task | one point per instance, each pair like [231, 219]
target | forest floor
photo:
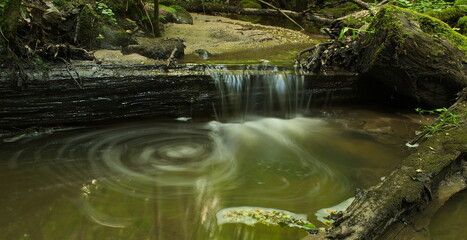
[228, 40]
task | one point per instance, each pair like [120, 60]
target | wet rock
[204, 54]
[161, 49]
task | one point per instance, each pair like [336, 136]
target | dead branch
[281, 11]
[69, 72]
[29, 5]
[362, 4]
[171, 61]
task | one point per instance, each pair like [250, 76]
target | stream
[264, 147]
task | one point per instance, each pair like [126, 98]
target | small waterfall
[260, 90]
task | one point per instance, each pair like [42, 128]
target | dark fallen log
[212, 8]
[412, 54]
[87, 93]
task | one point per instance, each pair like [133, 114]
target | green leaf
[343, 31]
[311, 225]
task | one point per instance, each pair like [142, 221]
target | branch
[362, 4]
[287, 16]
[384, 2]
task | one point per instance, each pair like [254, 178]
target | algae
[249, 4]
[340, 10]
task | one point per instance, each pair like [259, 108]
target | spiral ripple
[138, 159]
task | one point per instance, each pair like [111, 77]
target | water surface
[155, 180]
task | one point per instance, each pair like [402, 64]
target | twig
[3, 35]
[299, 55]
[171, 60]
[149, 18]
[28, 5]
[69, 72]
[279, 10]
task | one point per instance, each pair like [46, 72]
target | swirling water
[167, 180]
[150, 180]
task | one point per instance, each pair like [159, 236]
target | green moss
[438, 28]
[181, 15]
[460, 3]
[462, 25]
[449, 15]
[249, 4]
[353, 22]
[252, 19]
[166, 8]
[340, 10]
[430, 25]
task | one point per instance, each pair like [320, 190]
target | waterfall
[260, 90]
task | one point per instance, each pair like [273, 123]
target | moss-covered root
[408, 189]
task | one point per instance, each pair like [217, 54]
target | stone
[161, 49]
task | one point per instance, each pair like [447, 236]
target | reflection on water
[168, 180]
[449, 221]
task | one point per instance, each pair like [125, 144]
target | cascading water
[259, 90]
[167, 181]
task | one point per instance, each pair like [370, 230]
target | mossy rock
[181, 15]
[128, 24]
[340, 10]
[162, 49]
[166, 14]
[414, 54]
[249, 4]
[175, 14]
[113, 37]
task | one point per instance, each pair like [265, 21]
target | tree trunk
[155, 23]
[10, 13]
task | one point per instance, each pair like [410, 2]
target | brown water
[153, 180]
[449, 221]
